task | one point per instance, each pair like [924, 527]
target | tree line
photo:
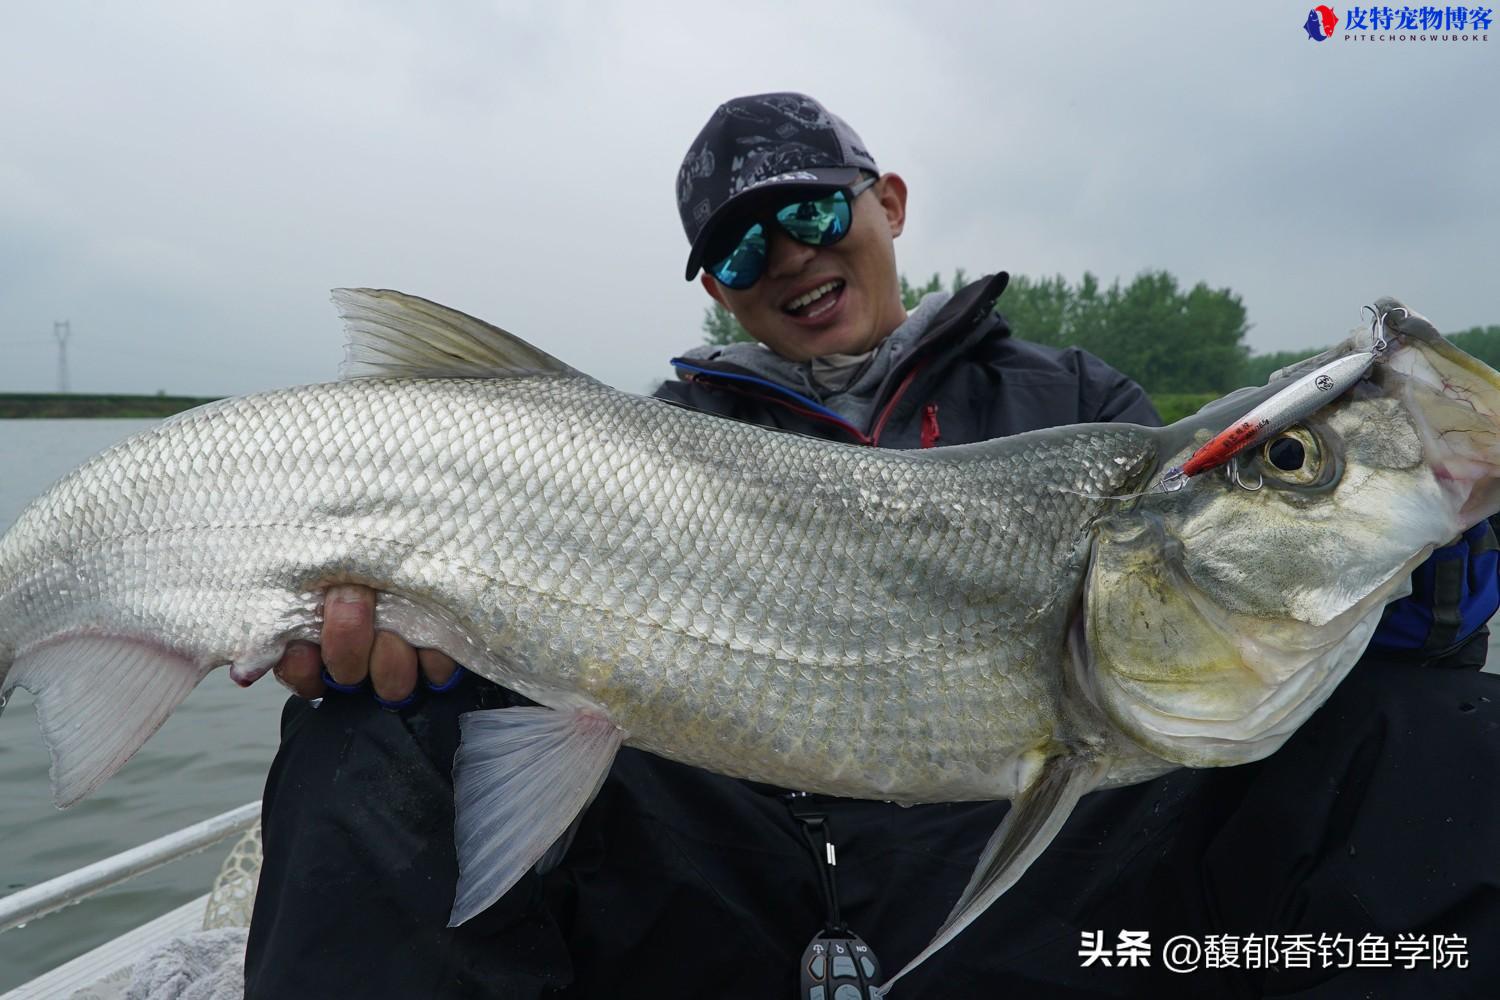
[1173, 341]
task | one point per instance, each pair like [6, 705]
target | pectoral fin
[98, 698]
[1033, 820]
[520, 777]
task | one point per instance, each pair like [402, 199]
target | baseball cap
[755, 146]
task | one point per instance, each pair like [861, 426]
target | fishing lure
[1291, 405]
[1296, 402]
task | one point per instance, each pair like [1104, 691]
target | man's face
[860, 309]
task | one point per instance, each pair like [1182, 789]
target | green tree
[720, 327]
[1168, 340]
[912, 294]
[1483, 342]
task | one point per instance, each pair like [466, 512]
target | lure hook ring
[1232, 469]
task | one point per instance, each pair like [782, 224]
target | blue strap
[449, 684]
[393, 706]
[766, 384]
[1453, 594]
[346, 688]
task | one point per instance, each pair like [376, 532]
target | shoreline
[121, 406]
[62, 406]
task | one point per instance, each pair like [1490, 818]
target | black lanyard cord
[837, 964]
[819, 836]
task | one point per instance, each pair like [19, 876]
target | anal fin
[1033, 820]
[520, 778]
[98, 698]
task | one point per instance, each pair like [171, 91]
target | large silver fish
[976, 622]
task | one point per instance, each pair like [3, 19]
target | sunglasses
[817, 222]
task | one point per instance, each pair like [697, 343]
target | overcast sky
[184, 182]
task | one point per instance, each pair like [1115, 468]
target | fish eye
[1286, 453]
[1293, 456]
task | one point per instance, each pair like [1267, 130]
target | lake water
[211, 755]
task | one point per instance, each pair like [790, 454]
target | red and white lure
[1291, 405]
[1296, 402]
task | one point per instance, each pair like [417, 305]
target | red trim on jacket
[931, 432]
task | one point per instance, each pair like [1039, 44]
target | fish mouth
[1455, 401]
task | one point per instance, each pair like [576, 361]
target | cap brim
[815, 180]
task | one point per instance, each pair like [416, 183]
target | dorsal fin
[394, 335]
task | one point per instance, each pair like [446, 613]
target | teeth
[812, 296]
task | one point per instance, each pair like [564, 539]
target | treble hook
[1377, 326]
[1232, 470]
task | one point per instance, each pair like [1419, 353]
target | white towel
[206, 965]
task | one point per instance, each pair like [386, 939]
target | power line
[61, 331]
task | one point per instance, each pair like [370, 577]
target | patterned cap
[755, 145]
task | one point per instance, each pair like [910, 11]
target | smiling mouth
[816, 301]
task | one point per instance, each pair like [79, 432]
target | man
[682, 883]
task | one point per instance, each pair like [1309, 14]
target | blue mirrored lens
[819, 222]
[746, 262]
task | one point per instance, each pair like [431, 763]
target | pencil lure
[1291, 405]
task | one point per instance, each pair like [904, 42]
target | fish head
[1218, 617]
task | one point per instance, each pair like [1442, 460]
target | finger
[300, 668]
[393, 667]
[437, 666]
[348, 632]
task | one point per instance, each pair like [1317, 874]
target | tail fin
[98, 698]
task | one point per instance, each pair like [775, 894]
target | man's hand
[352, 650]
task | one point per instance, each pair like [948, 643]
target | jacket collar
[969, 307]
[959, 325]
